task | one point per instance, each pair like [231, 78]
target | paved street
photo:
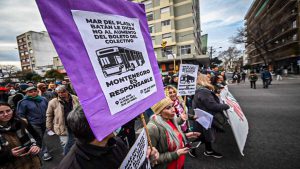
[273, 142]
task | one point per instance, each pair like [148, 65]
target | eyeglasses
[8, 111]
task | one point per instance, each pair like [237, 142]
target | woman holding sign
[167, 136]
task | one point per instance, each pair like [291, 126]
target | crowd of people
[28, 111]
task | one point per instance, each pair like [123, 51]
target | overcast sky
[219, 19]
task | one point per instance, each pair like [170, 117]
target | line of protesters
[171, 127]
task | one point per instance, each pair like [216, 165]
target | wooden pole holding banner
[146, 129]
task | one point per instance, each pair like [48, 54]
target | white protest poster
[204, 118]
[237, 120]
[187, 79]
[118, 54]
[136, 157]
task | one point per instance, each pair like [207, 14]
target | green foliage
[32, 76]
[216, 61]
[54, 74]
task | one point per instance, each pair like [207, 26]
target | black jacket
[87, 156]
[207, 100]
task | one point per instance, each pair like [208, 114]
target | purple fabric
[66, 38]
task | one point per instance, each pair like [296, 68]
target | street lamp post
[212, 50]
[163, 45]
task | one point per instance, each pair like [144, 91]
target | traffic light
[163, 44]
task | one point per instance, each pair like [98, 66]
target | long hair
[202, 80]
[167, 88]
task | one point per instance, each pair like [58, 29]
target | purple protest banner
[107, 52]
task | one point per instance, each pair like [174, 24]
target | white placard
[137, 155]
[204, 118]
[187, 79]
[117, 51]
[237, 119]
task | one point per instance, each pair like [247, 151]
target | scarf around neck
[35, 99]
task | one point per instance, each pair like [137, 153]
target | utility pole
[164, 45]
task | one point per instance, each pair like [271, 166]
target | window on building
[22, 54]
[25, 46]
[166, 35]
[28, 37]
[165, 10]
[150, 16]
[294, 37]
[165, 23]
[24, 67]
[26, 53]
[185, 49]
[167, 51]
[294, 24]
[23, 60]
[151, 28]
[27, 59]
[153, 40]
[24, 39]
[29, 44]
[20, 40]
[148, 3]
[21, 47]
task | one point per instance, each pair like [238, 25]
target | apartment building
[272, 29]
[178, 23]
[36, 51]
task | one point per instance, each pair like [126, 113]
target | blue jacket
[33, 111]
[266, 75]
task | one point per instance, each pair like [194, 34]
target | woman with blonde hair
[180, 107]
[167, 137]
[205, 99]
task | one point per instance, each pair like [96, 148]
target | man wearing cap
[33, 108]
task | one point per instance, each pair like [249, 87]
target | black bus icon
[187, 79]
[116, 60]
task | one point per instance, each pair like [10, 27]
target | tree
[31, 76]
[230, 57]
[256, 39]
[7, 70]
[54, 74]
[216, 61]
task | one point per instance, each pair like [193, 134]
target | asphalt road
[273, 142]
[273, 115]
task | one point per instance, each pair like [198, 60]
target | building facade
[36, 51]
[272, 32]
[178, 23]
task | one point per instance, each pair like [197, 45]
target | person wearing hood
[33, 108]
[167, 136]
